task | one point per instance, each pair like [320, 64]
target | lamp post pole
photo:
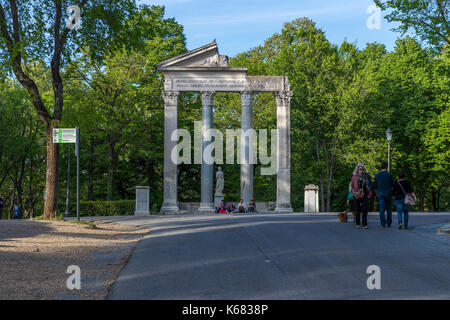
[389, 156]
[389, 138]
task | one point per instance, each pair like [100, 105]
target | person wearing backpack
[404, 198]
[2, 204]
[362, 191]
[383, 188]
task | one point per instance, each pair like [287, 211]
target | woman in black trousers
[362, 191]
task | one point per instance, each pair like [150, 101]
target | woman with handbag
[404, 198]
[362, 191]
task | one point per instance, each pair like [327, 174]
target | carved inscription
[209, 84]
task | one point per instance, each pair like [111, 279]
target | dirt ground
[35, 255]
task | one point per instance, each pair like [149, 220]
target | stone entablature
[222, 82]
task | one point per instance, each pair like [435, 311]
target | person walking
[16, 212]
[401, 188]
[383, 188]
[362, 191]
[2, 204]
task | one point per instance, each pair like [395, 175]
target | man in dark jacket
[383, 187]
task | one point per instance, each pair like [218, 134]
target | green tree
[26, 34]
[428, 18]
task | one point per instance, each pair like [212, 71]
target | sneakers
[358, 226]
[406, 227]
[400, 227]
[365, 227]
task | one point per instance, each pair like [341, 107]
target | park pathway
[290, 256]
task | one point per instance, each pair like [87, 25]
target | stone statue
[219, 181]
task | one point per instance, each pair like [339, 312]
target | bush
[100, 208]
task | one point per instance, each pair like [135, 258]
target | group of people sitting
[231, 208]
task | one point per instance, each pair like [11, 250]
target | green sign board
[64, 135]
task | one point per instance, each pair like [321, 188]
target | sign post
[71, 135]
[77, 154]
[67, 214]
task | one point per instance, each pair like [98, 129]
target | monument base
[206, 208]
[142, 213]
[169, 209]
[284, 210]
[218, 199]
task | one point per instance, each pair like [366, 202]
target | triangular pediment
[205, 56]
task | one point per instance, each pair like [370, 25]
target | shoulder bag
[359, 194]
[409, 199]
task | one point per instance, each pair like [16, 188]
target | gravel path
[35, 255]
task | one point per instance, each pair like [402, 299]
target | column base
[284, 209]
[170, 209]
[206, 208]
[142, 213]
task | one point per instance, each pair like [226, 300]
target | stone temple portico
[204, 70]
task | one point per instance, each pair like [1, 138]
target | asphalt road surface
[292, 256]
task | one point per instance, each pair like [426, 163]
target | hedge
[100, 208]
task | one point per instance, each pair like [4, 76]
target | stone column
[170, 205]
[246, 146]
[207, 178]
[142, 201]
[283, 99]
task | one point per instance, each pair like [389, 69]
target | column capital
[283, 98]
[170, 97]
[207, 98]
[246, 98]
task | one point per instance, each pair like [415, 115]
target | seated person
[223, 207]
[241, 207]
[220, 205]
[232, 208]
[252, 206]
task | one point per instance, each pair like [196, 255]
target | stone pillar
[246, 146]
[283, 99]
[207, 178]
[311, 200]
[142, 201]
[170, 205]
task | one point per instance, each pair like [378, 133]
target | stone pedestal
[217, 199]
[142, 201]
[311, 198]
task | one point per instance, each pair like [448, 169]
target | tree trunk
[151, 179]
[422, 199]
[433, 199]
[113, 159]
[322, 200]
[91, 170]
[51, 184]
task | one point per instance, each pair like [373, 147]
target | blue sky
[238, 25]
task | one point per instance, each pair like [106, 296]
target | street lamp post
[389, 138]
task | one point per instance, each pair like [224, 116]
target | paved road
[292, 256]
